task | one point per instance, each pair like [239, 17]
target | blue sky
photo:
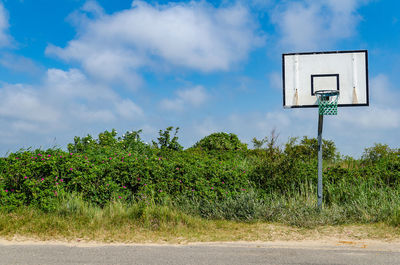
[72, 67]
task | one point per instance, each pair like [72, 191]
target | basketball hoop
[327, 101]
[329, 73]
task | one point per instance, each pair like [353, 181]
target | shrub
[220, 142]
[377, 152]
[307, 149]
[130, 141]
[117, 175]
[165, 142]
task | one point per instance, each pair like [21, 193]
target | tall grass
[154, 216]
[298, 207]
[117, 221]
[198, 220]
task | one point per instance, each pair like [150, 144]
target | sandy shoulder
[325, 243]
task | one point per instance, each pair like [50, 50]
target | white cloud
[192, 35]
[19, 64]
[64, 103]
[94, 8]
[369, 118]
[87, 100]
[310, 25]
[382, 91]
[4, 37]
[23, 126]
[110, 64]
[383, 112]
[91, 114]
[24, 103]
[129, 110]
[201, 128]
[172, 104]
[73, 84]
[192, 97]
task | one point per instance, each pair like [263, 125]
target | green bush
[117, 175]
[129, 142]
[220, 142]
[379, 151]
[165, 142]
[307, 149]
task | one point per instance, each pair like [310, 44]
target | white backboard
[305, 73]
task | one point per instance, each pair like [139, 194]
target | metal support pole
[320, 125]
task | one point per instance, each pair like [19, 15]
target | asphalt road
[227, 253]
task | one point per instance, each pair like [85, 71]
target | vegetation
[220, 142]
[155, 186]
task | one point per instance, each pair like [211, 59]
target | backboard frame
[328, 74]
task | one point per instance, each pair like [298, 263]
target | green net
[327, 108]
[327, 102]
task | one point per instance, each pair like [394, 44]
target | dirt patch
[356, 236]
[368, 237]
